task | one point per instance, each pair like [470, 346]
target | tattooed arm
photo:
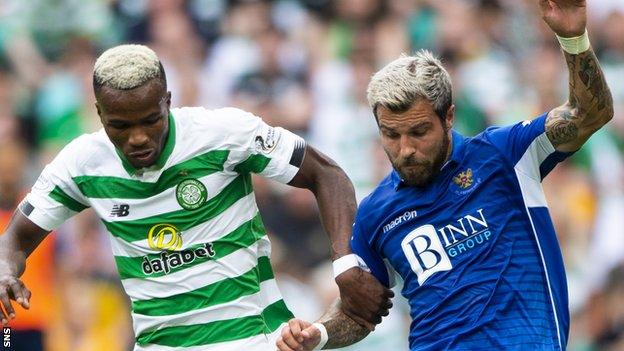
[589, 105]
[341, 331]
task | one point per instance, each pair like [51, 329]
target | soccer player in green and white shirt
[173, 188]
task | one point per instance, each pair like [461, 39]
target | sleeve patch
[267, 139]
[43, 184]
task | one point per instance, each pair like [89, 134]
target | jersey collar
[164, 155]
[457, 154]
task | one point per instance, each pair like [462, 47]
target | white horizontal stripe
[163, 202]
[197, 276]
[235, 157]
[254, 343]
[249, 305]
[274, 335]
[240, 212]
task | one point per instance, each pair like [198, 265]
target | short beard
[426, 171]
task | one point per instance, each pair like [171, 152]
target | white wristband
[324, 336]
[575, 45]
[347, 262]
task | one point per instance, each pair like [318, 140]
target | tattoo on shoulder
[562, 125]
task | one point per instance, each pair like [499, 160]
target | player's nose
[407, 147]
[137, 138]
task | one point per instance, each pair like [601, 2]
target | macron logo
[526, 123]
[407, 216]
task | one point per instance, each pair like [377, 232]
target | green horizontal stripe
[219, 331]
[184, 219]
[121, 188]
[243, 236]
[253, 164]
[210, 295]
[58, 195]
[276, 314]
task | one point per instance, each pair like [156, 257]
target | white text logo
[428, 254]
[407, 216]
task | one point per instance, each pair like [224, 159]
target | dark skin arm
[589, 105]
[18, 241]
[365, 300]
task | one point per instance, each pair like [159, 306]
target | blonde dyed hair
[397, 85]
[126, 67]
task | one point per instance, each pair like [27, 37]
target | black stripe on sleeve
[299, 151]
[26, 208]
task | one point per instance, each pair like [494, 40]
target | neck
[449, 149]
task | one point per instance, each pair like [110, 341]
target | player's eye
[117, 125]
[418, 132]
[153, 120]
[391, 135]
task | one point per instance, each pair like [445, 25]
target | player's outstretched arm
[21, 237]
[342, 331]
[589, 105]
[365, 300]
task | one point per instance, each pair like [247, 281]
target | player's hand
[12, 288]
[363, 298]
[567, 18]
[298, 335]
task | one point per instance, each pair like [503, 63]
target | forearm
[334, 194]
[588, 89]
[336, 199]
[342, 331]
[589, 106]
[18, 241]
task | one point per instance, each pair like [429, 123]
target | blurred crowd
[303, 65]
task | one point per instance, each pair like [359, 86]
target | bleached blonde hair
[126, 67]
[397, 85]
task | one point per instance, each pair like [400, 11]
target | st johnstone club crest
[464, 179]
[191, 194]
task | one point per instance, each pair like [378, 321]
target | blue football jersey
[476, 249]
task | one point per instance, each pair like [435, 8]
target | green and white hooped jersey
[189, 244]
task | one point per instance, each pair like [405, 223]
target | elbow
[609, 113]
[330, 170]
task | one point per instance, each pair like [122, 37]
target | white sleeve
[272, 152]
[54, 197]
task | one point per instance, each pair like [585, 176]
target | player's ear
[99, 112]
[449, 118]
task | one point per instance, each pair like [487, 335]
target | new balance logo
[120, 210]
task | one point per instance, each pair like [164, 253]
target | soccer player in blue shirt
[464, 221]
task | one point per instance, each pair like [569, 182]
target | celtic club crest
[191, 194]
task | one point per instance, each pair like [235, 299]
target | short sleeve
[372, 259]
[527, 146]
[54, 197]
[272, 152]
